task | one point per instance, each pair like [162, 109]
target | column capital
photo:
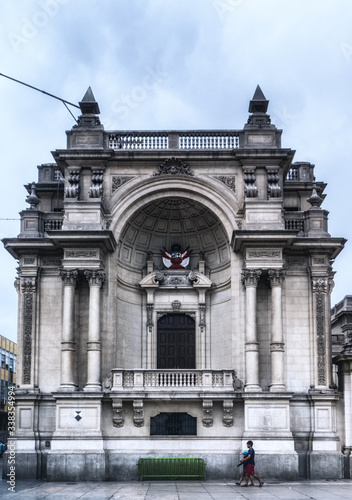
[276, 277]
[320, 284]
[69, 276]
[28, 284]
[250, 277]
[95, 278]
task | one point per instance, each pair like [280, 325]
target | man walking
[250, 472]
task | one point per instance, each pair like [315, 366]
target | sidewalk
[178, 490]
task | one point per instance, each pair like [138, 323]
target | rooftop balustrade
[184, 140]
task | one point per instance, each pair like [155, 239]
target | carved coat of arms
[176, 259]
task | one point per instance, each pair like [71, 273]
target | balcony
[155, 384]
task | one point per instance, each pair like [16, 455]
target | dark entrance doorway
[176, 342]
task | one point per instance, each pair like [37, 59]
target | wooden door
[176, 342]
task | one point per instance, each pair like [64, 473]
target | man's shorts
[250, 470]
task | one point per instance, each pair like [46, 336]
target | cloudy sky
[176, 64]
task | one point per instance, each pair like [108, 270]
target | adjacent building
[174, 300]
[8, 358]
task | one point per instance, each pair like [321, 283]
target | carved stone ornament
[118, 181]
[176, 305]
[69, 277]
[201, 314]
[96, 189]
[95, 277]
[227, 417]
[250, 277]
[207, 419]
[276, 277]
[229, 181]
[138, 413]
[150, 310]
[173, 166]
[250, 189]
[274, 188]
[28, 288]
[176, 279]
[118, 417]
[73, 190]
[320, 288]
[237, 383]
[320, 284]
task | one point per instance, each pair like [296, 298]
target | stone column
[68, 345]
[277, 354]
[96, 280]
[250, 278]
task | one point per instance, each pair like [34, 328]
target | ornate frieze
[96, 189]
[138, 413]
[227, 417]
[207, 419]
[69, 276]
[276, 277]
[81, 254]
[250, 277]
[73, 190]
[173, 166]
[118, 181]
[95, 277]
[250, 189]
[229, 181]
[28, 288]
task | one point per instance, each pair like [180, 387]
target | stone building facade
[174, 300]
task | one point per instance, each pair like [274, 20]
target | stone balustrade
[185, 140]
[174, 380]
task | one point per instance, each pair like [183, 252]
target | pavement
[177, 490]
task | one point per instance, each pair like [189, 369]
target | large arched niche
[173, 219]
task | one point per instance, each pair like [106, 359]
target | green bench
[171, 468]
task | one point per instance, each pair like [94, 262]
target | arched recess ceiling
[166, 221]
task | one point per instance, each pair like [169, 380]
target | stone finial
[259, 103]
[89, 105]
[315, 200]
[33, 199]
